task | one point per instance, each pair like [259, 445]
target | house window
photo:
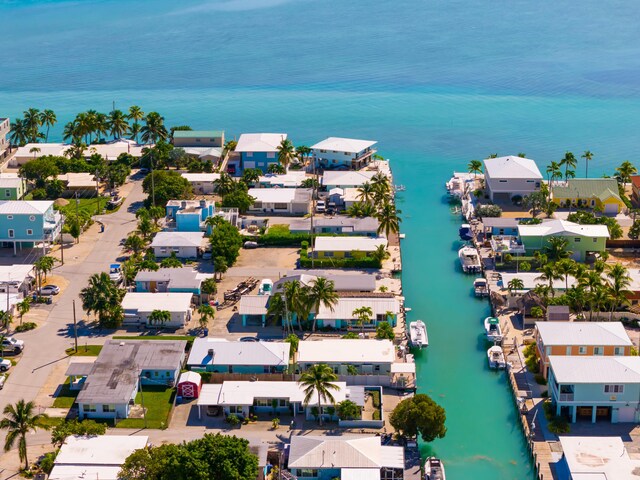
[347, 255]
[307, 473]
[32, 218]
[235, 409]
[29, 231]
[108, 408]
[328, 254]
[614, 389]
[594, 240]
[257, 205]
[7, 193]
[280, 206]
[502, 181]
[548, 350]
[529, 181]
[271, 154]
[582, 350]
[569, 350]
[249, 154]
[284, 402]
[577, 240]
[147, 374]
[593, 203]
[618, 351]
[89, 408]
[156, 373]
[376, 368]
[11, 233]
[598, 350]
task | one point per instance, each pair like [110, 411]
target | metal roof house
[173, 280]
[112, 381]
[224, 356]
[337, 152]
[367, 356]
[198, 138]
[342, 282]
[339, 225]
[599, 193]
[506, 177]
[183, 244]
[138, 307]
[28, 223]
[284, 201]
[201, 183]
[596, 458]
[345, 179]
[346, 246]
[12, 186]
[259, 150]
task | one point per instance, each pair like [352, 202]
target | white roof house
[563, 228]
[10, 180]
[345, 306]
[78, 180]
[253, 304]
[349, 244]
[259, 142]
[583, 333]
[201, 177]
[16, 274]
[346, 351]
[268, 354]
[597, 369]
[178, 239]
[25, 207]
[598, 458]
[290, 179]
[532, 279]
[349, 145]
[281, 195]
[345, 179]
[511, 167]
[110, 150]
[148, 302]
[95, 456]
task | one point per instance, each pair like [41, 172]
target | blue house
[499, 226]
[259, 150]
[28, 223]
[173, 280]
[189, 215]
[222, 356]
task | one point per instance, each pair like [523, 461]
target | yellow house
[347, 246]
[600, 193]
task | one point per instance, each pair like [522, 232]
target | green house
[583, 239]
[12, 187]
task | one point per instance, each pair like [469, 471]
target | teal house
[28, 223]
[12, 187]
[583, 240]
[259, 150]
[222, 356]
[173, 280]
[189, 215]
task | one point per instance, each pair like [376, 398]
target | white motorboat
[470, 259]
[480, 287]
[418, 334]
[493, 329]
[434, 469]
[496, 358]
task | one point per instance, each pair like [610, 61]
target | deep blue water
[438, 83]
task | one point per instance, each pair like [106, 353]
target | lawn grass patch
[85, 351]
[158, 401]
[88, 205]
[50, 422]
[66, 397]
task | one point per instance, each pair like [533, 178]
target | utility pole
[75, 327]
[97, 193]
[313, 210]
[153, 180]
[62, 243]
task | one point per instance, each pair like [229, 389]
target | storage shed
[189, 385]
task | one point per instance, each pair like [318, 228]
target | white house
[291, 179]
[336, 152]
[223, 356]
[139, 305]
[345, 179]
[184, 244]
[596, 458]
[202, 183]
[109, 150]
[506, 177]
[366, 356]
[343, 247]
[287, 201]
[94, 457]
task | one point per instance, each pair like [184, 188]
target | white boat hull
[434, 469]
[418, 334]
[493, 331]
[469, 260]
[495, 355]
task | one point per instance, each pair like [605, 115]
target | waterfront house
[347, 246]
[344, 457]
[345, 179]
[259, 150]
[242, 397]
[291, 179]
[595, 458]
[364, 356]
[172, 280]
[198, 138]
[12, 186]
[28, 223]
[95, 456]
[584, 240]
[110, 150]
[201, 183]
[183, 244]
[506, 177]
[108, 386]
[83, 184]
[342, 282]
[580, 339]
[595, 388]
[284, 201]
[335, 153]
[350, 197]
[339, 225]
[138, 306]
[225, 356]
[17, 279]
[495, 226]
[5, 128]
[635, 190]
[598, 193]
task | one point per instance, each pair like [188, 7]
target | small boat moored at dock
[496, 358]
[465, 232]
[418, 334]
[434, 469]
[480, 287]
[493, 329]
[470, 259]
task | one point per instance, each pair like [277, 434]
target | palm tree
[207, 312]
[277, 307]
[515, 284]
[134, 243]
[389, 220]
[32, 123]
[292, 292]
[569, 161]
[578, 299]
[159, 317]
[619, 281]
[48, 119]
[553, 172]
[145, 227]
[134, 130]
[136, 114]
[323, 293]
[361, 209]
[565, 267]
[225, 184]
[35, 151]
[286, 153]
[23, 308]
[102, 296]
[318, 380]
[43, 266]
[598, 300]
[625, 171]
[557, 248]
[20, 419]
[71, 132]
[381, 187]
[366, 192]
[588, 156]
[475, 167]
[154, 128]
[18, 134]
[101, 125]
[380, 254]
[363, 316]
[548, 273]
[117, 123]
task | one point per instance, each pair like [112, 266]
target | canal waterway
[437, 83]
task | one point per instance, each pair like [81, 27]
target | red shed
[189, 385]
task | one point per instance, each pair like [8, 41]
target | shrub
[530, 221]
[305, 245]
[46, 464]
[282, 239]
[525, 267]
[547, 407]
[233, 420]
[376, 415]
[375, 398]
[537, 312]
[39, 194]
[559, 425]
[489, 211]
[540, 380]
[275, 423]
[350, 336]
[545, 394]
[306, 262]
[25, 327]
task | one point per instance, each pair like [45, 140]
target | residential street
[45, 346]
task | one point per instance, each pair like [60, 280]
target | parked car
[320, 206]
[143, 171]
[13, 345]
[5, 365]
[3, 378]
[49, 290]
[250, 244]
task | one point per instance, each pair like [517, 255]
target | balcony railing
[566, 397]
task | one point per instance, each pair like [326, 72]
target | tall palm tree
[154, 129]
[619, 281]
[23, 308]
[159, 317]
[588, 156]
[323, 293]
[553, 172]
[277, 307]
[286, 153]
[599, 299]
[20, 419]
[117, 124]
[18, 135]
[569, 161]
[366, 192]
[475, 167]
[557, 248]
[548, 273]
[48, 119]
[101, 125]
[136, 114]
[134, 131]
[292, 293]
[381, 187]
[363, 316]
[565, 267]
[102, 296]
[71, 132]
[578, 299]
[317, 381]
[225, 184]
[625, 171]
[389, 221]
[32, 123]
[207, 312]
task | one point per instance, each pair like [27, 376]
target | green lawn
[89, 205]
[158, 402]
[67, 397]
[85, 351]
[50, 422]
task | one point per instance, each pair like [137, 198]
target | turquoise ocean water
[438, 83]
